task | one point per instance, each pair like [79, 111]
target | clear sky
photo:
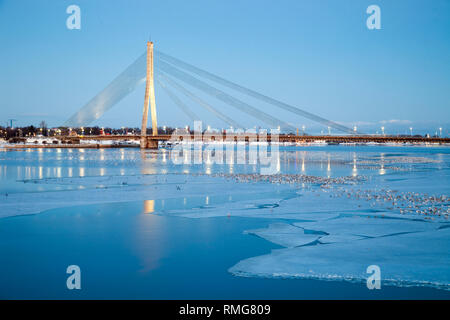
[317, 55]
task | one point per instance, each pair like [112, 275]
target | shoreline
[66, 146]
[118, 146]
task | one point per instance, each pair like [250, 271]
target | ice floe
[285, 235]
[367, 227]
[414, 259]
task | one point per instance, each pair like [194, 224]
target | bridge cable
[252, 93]
[220, 95]
[198, 100]
[190, 114]
[116, 90]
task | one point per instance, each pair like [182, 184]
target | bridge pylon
[149, 99]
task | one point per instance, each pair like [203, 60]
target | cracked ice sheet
[367, 227]
[418, 259]
[323, 201]
[256, 204]
[333, 238]
[100, 190]
[426, 180]
[294, 204]
[285, 235]
[332, 201]
[266, 206]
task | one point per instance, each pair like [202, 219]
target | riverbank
[66, 146]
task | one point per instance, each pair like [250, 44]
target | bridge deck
[291, 138]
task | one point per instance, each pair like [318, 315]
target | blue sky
[317, 55]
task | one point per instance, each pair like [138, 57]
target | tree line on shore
[43, 130]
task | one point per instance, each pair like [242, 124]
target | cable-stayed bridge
[179, 80]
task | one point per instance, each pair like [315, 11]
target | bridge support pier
[149, 143]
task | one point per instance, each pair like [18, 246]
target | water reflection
[149, 206]
[62, 163]
[329, 166]
[148, 162]
[382, 171]
[149, 228]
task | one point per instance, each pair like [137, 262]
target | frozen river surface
[140, 226]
